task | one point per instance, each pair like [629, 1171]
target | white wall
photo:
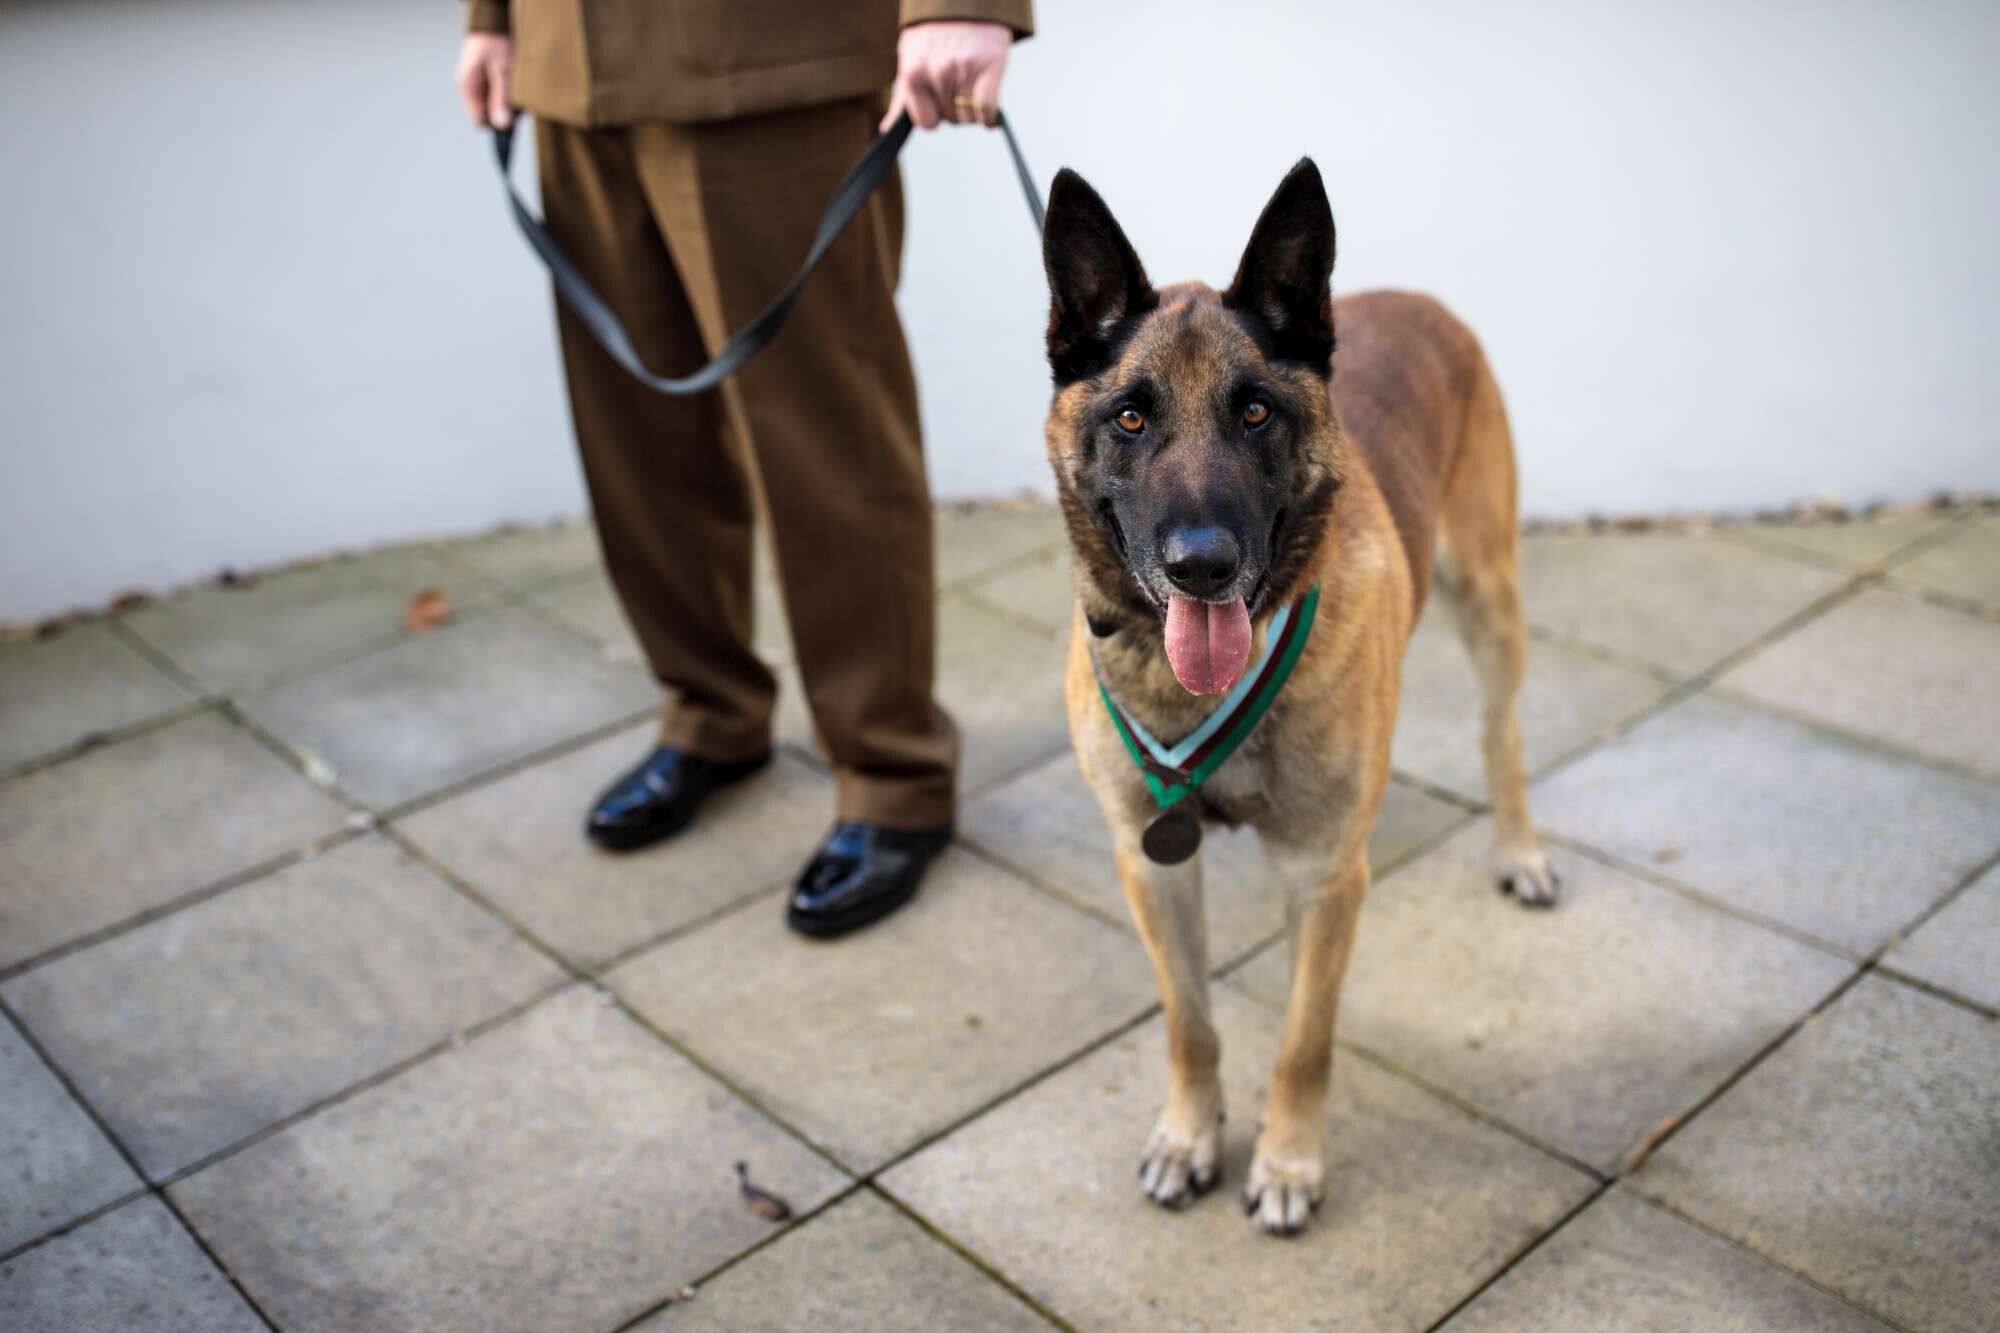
[261, 298]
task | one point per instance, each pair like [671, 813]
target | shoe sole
[631, 840]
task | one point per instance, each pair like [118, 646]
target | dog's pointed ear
[1096, 281]
[1283, 281]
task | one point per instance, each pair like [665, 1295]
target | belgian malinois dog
[1217, 461]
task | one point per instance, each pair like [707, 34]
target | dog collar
[1174, 773]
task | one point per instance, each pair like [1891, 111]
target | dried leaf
[1650, 1142]
[130, 601]
[426, 611]
[760, 1201]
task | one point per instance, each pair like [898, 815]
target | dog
[1215, 460]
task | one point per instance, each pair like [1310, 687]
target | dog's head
[1194, 444]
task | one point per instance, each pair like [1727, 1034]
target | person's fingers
[985, 92]
[924, 105]
[896, 104]
[964, 103]
[471, 82]
[500, 95]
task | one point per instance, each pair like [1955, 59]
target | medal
[1172, 837]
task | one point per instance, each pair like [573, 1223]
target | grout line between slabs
[1860, 740]
[336, 837]
[92, 741]
[1769, 539]
[847, 1191]
[463, 1037]
[1006, 565]
[154, 1188]
[1597, 1192]
[977, 1260]
[1660, 1205]
[1619, 1175]
[1660, 880]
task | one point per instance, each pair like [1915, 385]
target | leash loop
[595, 313]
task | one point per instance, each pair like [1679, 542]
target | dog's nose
[1200, 561]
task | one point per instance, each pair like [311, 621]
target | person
[685, 154]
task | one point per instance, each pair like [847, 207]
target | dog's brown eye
[1256, 413]
[1131, 421]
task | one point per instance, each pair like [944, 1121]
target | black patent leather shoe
[659, 798]
[860, 874]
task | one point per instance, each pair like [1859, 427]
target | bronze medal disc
[1172, 837]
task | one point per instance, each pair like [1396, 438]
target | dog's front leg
[1184, 1153]
[1287, 1174]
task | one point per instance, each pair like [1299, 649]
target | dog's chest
[1245, 790]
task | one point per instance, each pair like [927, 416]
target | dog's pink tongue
[1207, 645]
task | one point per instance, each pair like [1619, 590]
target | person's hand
[485, 78]
[948, 71]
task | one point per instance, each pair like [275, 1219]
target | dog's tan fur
[1415, 431]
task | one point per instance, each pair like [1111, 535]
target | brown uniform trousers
[688, 224]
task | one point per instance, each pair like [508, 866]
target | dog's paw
[1283, 1191]
[1526, 876]
[1180, 1166]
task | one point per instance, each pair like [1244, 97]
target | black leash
[873, 167]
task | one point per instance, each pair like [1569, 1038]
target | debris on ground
[758, 1200]
[1650, 1142]
[428, 609]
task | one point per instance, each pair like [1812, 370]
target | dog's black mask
[1190, 428]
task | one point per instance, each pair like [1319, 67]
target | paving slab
[134, 1268]
[1834, 839]
[533, 554]
[55, 1165]
[564, 1170]
[1858, 543]
[1965, 565]
[1622, 1264]
[870, 1044]
[589, 603]
[1423, 1201]
[1681, 603]
[115, 831]
[1892, 668]
[974, 539]
[1001, 683]
[200, 1028]
[1038, 590]
[449, 705]
[1567, 701]
[287, 621]
[1585, 1026]
[1958, 949]
[860, 1267]
[1861, 1154]
[519, 842]
[83, 682]
[1047, 824]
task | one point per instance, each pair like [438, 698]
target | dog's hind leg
[1479, 575]
[1287, 1174]
[1183, 1156]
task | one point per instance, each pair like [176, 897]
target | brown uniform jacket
[622, 62]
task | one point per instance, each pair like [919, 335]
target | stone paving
[317, 1013]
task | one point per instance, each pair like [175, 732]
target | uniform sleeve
[491, 16]
[1016, 14]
